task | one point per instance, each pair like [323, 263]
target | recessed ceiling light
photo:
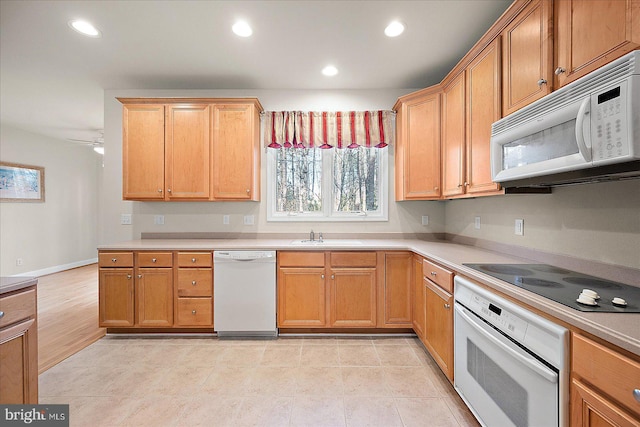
[329, 70]
[85, 28]
[242, 29]
[394, 29]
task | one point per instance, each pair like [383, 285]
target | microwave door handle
[583, 111]
[530, 363]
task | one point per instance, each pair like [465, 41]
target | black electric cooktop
[564, 286]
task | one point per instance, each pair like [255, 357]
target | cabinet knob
[154, 259]
[466, 184]
[193, 282]
[541, 82]
[159, 190]
[636, 394]
[322, 276]
[333, 276]
[248, 191]
[129, 276]
[433, 273]
[193, 260]
[447, 306]
[2, 315]
[559, 71]
[193, 312]
[436, 188]
[139, 276]
[114, 259]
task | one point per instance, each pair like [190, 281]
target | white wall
[207, 216]
[599, 222]
[62, 231]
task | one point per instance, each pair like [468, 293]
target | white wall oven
[510, 365]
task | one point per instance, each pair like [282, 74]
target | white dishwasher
[244, 293]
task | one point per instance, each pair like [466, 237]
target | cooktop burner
[565, 286]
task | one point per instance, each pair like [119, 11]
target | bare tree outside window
[299, 180]
[355, 180]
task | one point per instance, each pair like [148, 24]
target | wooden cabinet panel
[195, 312]
[397, 288]
[353, 297]
[143, 152]
[154, 297]
[17, 306]
[116, 297]
[115, 259]
[418, 147]
[154, 259]
[301, 259]
[439, 275]
[453, 137]
[19, 363]
[439, 326]
[590, 409]
[195, 259]
[188, 145]
[589, 34]
[527, 57]
[418, 289]
[483, 108]
[195, 282]
[353, 259]
[236, 152]
[301, 297]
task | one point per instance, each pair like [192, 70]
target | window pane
[299, 180]
[356, 180]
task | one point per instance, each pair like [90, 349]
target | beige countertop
[621, 329]
[10, 284]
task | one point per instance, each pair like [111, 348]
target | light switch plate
[425, 219]
[125, 219]
[476, 223]
[249, 220]
[519, 227]
[225, 219]
[158, 219]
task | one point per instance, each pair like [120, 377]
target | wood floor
[67, 314]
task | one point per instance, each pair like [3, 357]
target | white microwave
[586, 131]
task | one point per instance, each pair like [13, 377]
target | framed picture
[21, 183]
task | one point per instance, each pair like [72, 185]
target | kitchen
[569, 221]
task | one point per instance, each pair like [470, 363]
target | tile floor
[156, 382]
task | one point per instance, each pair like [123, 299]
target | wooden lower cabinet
[195, 312]
[439, 326]
[301, 297]
[154, 297]
[417, 298]
[19, 348]
[194, 289]
[116, 287]
[353, 297]
[395, 291]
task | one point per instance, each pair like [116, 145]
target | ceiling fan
[97, 143]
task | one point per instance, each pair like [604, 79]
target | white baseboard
[57, 268]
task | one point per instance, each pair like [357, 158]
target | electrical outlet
[476, 223]
[519, 228]
[249, 220]
[158, 219]
[225, 219]
[125, 219]
[19, 261]
[425, 219]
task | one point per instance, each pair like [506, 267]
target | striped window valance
[343, 129]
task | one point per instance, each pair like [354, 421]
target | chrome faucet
[312, 236]
[320, 237]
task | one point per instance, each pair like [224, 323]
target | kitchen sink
[327, 242]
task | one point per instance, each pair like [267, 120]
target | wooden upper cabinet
[453, 136]
[418, 146]
[483, 108]
[188, 145]
[589, 34]
[236, 152]
[143, 152]
[527, 57]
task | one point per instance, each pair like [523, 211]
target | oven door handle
[531, 363]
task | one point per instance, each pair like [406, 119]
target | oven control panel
[498, 317]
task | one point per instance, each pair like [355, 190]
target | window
[313, 184]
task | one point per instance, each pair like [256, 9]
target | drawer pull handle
[433, 273]
[636, 394]
[193, 312]
[114, 259]
[542, 82]
[322, 276]
[333, 276]
[129, 276]
[139, 276]
[193, 282]
[2, 315]
[559, 71]
[153, 260]
[193, 260]
[159, 190]
[447, 306]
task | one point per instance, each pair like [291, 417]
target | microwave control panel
[609, 123]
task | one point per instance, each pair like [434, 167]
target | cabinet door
[397, 289]
[483, 108]
[236, 152]
[154, 296]
[527, 60]
[418, 289]
[188, 145]
[420, 154]
[453, 137]
[116, 297]
[19, 363]
[439, 326]
[353, 297]
[143, 152]
[301, 297]
[590, 409]
[592, 33]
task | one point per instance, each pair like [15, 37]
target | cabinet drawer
[605, 369]
[195, 259]
[195, 282]
[155, 259]
[115, 259]
[18, 307]
[438, 275]
[301, 259]
[353, 259]
[195, 312]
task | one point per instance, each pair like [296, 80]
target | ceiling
[52, 79]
